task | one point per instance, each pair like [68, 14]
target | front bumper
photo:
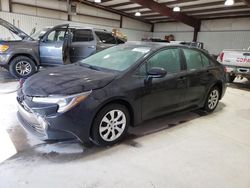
[45, 123]
[236, 70]
[4, 60]
[40, 128]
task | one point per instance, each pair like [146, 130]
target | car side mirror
[157, 72]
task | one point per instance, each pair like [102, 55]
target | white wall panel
[27, 23]
[52, 4]
[5, 6]
[96, 21]
[41, 12]
[129, 23]
[216, 41]
[225, 34]
[179, 36]
[215, 34]
[134, 35]
[88, 10]
[172, 26]
[226, 24]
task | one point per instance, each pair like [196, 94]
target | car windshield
[117, 58]
[39, 33]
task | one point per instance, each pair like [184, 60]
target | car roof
[157, 45]
[151, 45]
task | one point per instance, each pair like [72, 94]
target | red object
[21, 81]
[221, 56]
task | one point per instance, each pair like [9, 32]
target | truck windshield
[39, 33]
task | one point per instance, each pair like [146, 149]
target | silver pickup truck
[236, 62]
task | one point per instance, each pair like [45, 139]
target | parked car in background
[236, 62]
[51, 46]
[98, 98]
[199, 45]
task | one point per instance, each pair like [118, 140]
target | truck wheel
[22, 67]
[231, 78]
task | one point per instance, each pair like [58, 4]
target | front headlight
[3, 47]
[65, 103]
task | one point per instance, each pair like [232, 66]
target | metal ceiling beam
[111, 10]
[104, 1]
[129, 9]
[166, 11]
[177, 2]
[226, 17]
[164, 3]
[247, 2]
[223, 14]
[120, 4]
[214, 9]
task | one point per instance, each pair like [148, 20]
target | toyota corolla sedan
[98, 98]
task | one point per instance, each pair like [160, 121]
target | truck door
[51, 45]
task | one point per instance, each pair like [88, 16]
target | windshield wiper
[89, 66]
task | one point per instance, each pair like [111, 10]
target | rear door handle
[246, 54]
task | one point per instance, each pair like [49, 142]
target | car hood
[14, 29]
[66, 80]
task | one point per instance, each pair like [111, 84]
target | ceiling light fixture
[137, 13]
[229, 2]
[176, 9]
[97, 1]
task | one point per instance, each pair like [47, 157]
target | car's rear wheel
[212, 99]
[110, 125]
[22, 67]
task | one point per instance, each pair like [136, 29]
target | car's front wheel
[22, 67]
[212, 99]
[110, 125]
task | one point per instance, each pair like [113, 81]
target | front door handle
[182, 78]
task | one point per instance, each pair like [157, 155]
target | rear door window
[205, 61]
[82, 35]
[168, 59]
[193, 59]
[106, 38]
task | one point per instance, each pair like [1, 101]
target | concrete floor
[183, 150]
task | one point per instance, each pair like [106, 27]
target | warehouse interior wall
[35, 13]
[215, 34]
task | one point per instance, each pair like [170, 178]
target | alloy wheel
[213, 99]
[112, 125]
[23, 68]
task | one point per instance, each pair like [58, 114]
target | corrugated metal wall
[27, 23]
[216, 34]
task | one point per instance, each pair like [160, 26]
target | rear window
[82, 35]
[106, 38]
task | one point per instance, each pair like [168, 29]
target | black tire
[22, 61]
[208, 107]
[95, 131]
[231, 78]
